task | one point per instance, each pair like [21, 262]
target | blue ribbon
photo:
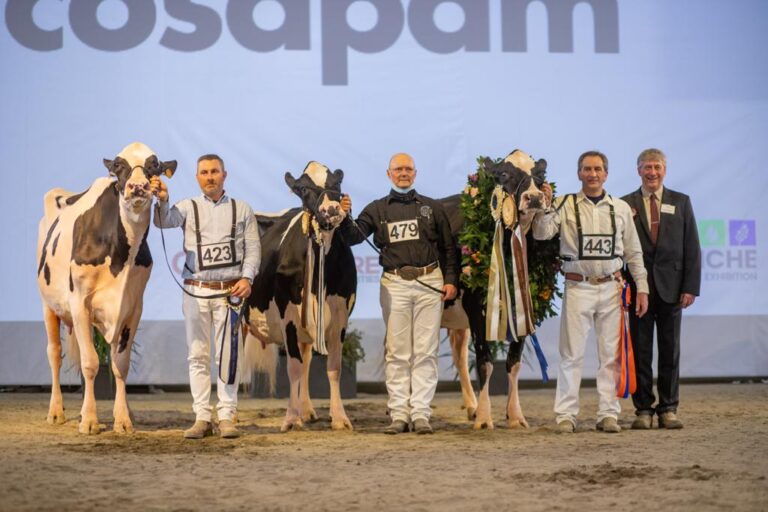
[540, 356]
[234, 323]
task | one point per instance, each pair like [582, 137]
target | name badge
[217, 254]
[403, 230]
[596, 246]
[668, 208]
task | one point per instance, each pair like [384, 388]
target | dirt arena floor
[719, 461]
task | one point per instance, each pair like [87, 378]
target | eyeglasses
[403, 169]
[590, 170]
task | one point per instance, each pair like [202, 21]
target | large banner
[272, 84]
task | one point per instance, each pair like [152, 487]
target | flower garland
[476, 240]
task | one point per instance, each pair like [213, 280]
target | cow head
[521, 177]
[133, 167]
[320, 193]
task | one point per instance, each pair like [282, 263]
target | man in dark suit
[669, 237]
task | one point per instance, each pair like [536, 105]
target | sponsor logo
[729, 249]
[368, 269]
[193, 27]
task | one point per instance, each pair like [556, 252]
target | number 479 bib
[403, 230]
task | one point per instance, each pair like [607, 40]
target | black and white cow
[283, 307]
[521, 177]
[93, 266]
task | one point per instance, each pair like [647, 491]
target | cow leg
[292, 419]
[121, 363]
[53, 330]
[459, 339]
[89, 366]
[483, 418]
[308, 413]
[473, 306]
[339, 418]
[515, 418]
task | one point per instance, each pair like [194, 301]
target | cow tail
[262, 359]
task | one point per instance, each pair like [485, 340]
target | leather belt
[572, 276]
[212, 285]
[410, 273]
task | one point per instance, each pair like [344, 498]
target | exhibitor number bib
[403, 230]
[219, 254]
[596, 246]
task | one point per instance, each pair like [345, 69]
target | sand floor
[719, 461]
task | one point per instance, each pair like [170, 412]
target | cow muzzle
[138, 195]
[530, 201]
[330, 215]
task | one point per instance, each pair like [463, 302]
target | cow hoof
[517, 423]
[482, 425]
[289, 425]
[123, 427]
[471, 413]
[309, 416]
[89, 427]
[342, 424]
[516, 420]
[56, 418]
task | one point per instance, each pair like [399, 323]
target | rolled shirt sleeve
[168, 217]
[633, 251]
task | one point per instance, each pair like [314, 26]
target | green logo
[712, 233]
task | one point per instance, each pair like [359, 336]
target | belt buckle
[409, 273]
[594, 280]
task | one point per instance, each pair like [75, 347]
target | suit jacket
[674, 265]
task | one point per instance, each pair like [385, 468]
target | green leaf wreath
[476, 241]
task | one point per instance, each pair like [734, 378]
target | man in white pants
[597, 237]
[221, 242]
[414, 236]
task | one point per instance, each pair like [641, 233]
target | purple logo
[742, 232]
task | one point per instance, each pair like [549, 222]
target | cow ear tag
[169, 168]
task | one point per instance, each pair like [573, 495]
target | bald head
[402, 170]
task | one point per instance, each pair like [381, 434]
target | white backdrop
[272, 84]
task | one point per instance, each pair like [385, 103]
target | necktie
[654, 219]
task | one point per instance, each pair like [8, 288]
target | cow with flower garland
[508, 279]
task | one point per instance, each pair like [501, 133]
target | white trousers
[412, 315]
[204, 318]
[586, 306]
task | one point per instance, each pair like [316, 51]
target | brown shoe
[396, 427]
[422, 426]
[669, 420]
[228, 430]
[565, 427]
[642, 422]
[199, 430]
[609, 425]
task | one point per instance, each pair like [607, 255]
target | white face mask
[402, 190]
